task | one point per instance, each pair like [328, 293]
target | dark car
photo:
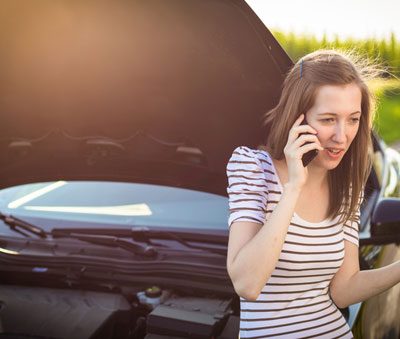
[117, 122]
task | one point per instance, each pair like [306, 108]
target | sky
[347, 18]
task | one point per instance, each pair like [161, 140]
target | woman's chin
[327, 164]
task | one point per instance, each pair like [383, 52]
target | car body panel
[142, 92]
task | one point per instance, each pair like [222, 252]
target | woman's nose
[340, 134]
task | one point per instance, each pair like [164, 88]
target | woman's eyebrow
[331, 113]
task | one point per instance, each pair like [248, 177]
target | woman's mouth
[334, 153]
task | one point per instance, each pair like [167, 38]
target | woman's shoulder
[246, 156]
[244, 152]
[250, 160]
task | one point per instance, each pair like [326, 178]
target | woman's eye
[327, 120]
[355, 120]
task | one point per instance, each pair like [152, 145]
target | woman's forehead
[338, 99]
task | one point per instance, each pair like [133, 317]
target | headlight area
[150, 313]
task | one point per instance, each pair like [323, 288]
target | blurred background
[370, 27]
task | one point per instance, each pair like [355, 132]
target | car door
[379, 316]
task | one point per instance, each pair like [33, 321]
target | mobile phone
[310, 155]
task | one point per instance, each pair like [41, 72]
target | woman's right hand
[295, 148]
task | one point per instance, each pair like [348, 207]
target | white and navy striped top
[295, 301]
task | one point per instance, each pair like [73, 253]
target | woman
[293, 242]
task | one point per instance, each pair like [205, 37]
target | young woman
[293, 243]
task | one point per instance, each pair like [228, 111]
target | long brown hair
[328, 67]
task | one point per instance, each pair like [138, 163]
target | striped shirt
[295, 301]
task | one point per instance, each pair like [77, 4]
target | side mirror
[385, 221]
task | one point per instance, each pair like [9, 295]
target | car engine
[150, 313]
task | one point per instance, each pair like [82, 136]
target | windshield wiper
[106, 240]
[147, 233]
[144, 234]
[21, 226]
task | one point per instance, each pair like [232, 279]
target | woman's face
[336, 118]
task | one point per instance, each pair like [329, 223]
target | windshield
[116, 203]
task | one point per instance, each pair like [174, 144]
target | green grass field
[387, 121]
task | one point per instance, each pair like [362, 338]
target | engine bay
[150, 313]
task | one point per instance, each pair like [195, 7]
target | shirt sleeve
[247, 187]
[351, 227]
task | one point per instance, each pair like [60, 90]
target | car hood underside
[145, 91]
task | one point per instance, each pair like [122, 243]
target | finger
[292, 135]
[298, 120]
[309, 147]
[297, 130]
[305, 129]
[301, 140]
[292, 150]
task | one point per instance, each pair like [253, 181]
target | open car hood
[145, 91]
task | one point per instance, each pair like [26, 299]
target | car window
[117, 203]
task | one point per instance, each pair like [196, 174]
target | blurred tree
[384, 51]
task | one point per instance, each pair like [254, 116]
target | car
[117, 122]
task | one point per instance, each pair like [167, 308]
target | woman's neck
[317, 177]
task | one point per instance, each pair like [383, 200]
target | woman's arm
[253, 250]
[350, 285]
